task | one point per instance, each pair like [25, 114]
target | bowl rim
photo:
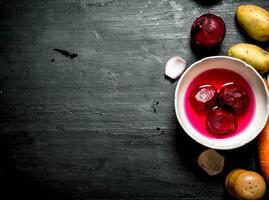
[198, 139]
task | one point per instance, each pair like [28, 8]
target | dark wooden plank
[102, 125]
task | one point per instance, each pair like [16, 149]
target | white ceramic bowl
[260, 94]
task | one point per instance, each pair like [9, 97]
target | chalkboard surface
[86, 112]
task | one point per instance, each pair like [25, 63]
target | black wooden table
[97, 120]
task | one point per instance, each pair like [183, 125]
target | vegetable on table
[252, 54]
[207, 32]
[254, 20]
[208, 2]
[263, 145]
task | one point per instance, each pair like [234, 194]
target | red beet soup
[218, 78]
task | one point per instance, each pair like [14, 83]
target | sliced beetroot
[234, 97]
[203, 98]
[221, 121]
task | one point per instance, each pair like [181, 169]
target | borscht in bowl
[221, 102]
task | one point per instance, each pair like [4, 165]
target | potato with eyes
[252, 54]
[254, 20]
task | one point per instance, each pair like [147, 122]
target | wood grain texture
[102, 125]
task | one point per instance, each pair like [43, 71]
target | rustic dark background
[102, 124]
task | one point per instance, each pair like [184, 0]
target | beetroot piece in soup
[234, 97]
[203, 98]
[220, 121]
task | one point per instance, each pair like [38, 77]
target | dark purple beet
[207, 32]
[203, 98]
[220, 121]
[234, 97]
[208, 2]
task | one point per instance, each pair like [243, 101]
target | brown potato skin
[254, 20]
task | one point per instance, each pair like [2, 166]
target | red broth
[217, 78]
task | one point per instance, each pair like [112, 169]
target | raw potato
[254, 20]
[252, 54]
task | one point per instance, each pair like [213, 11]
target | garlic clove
[175, 67]
[211, 162]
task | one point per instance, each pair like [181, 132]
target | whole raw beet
[207, 32]
[234, 97]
